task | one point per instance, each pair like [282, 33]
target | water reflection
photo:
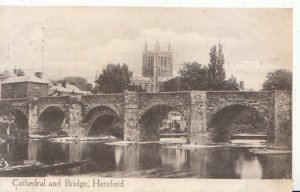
[248, 166]
[152, 160]
[275, 166]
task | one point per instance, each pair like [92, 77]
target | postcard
[146, 98]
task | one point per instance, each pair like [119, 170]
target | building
[64, 89]
[7, 74]
[242, 86]
[24, 87]
[145, 82]
[4, 75]
[157, 67]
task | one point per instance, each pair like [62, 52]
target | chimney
[20, 73]
[242, 85]
[64, 84]
[6, 72]
[39, 75]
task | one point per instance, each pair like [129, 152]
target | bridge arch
[13, 121]
[103, 120]
[236, 118]
[21, 123]
[51, 120]
[154, 118]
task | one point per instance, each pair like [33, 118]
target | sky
[81, 41]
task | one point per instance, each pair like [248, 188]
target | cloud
[83, 45]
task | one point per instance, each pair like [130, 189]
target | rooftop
[140, 78]
[20, 79]
[67, 89]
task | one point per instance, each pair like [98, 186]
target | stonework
[198, 133]
[197, 108]
[157, 67]
[131, 129]
[282, 132]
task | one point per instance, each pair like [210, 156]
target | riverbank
[76, 139]
[266, 151]
[162, 141]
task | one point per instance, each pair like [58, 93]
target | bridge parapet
[260, 100]
[172, 99]
[114, 101]
[196, 107]
[53, 99]
[19, 104]
[119, 97]
[13, 100]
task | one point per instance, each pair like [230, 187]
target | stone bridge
[140, 114]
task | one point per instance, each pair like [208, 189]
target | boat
[29, 168]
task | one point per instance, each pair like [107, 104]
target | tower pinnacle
[146, 46]
[169, 47]
[157, 47]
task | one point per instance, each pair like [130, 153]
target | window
[37, 87]
[151, 61]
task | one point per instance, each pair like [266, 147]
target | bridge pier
[131, 117]
[280, 133]
[33, 119]
[198, 133]
[76, 128]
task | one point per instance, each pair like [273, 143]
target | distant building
[174, 123]
[174, 116]
[145, 82]
[24, 87]
[242, 86]
[7, 74]
[64, 89]
[4, 76]
[157, 67]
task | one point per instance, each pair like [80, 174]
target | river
[152, 160]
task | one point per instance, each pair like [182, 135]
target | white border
[210, 3]
[156, 3]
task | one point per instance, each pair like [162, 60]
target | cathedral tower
[157, 64]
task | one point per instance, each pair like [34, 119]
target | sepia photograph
[144, 92]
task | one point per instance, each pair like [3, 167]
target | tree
[231, 84]
[174, 84]
[193, 76]
[115, 78]
[280, 79]
[216, 72]
[136, 88]
[79, 82]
